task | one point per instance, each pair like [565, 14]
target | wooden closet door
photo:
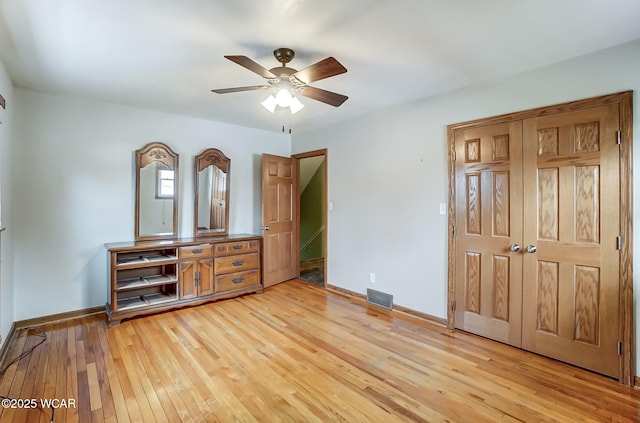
[488, 287]
[571, 213]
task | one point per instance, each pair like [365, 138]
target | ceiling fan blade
[252, 66]
[239, 89]
[321, 70]
[324, 96]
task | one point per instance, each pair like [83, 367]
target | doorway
[312, 215]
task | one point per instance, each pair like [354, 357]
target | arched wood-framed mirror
[156, 215]
[212, 182]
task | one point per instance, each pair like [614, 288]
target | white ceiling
[167, 54]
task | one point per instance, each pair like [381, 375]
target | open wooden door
[279, 219]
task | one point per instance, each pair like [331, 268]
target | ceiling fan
[289, 81]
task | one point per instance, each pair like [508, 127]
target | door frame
[625, 101]
[297, 157]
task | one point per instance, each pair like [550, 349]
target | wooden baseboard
[424, 316]
[53, 318]
[396, 308]
[5, 344]
[346, 292]
[636, 383]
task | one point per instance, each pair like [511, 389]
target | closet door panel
[489, 219]
[571, 197]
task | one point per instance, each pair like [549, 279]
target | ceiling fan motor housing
[283, 55]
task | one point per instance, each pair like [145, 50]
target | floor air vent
[380, 298]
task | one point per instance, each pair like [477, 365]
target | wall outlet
[443, 209]
[372, 278]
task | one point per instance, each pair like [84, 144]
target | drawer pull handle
[238, 263]
[237, 280]
[198, 251]
[237, 247]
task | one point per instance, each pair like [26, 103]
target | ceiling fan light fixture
[295, 105]
[283, 98]
[270, 103]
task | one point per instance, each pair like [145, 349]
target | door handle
[531, 249]
[514, 247]
[264, 228]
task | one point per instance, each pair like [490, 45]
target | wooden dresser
[152, 276]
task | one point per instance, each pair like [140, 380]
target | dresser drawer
[195, 251]
[237, 280]
[238, 247]
[239, 263]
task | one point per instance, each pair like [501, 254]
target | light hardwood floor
[297, 353]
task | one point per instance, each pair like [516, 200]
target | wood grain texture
[501, 209]
[473, 284]
[623, 100]
[587, 205]
[582, 191]
[472, 151]
[501, 287]
[150, 277]
[548, 142]
[548, 191]
[500, 147]
[297, 353]
[452, 217]
[489, 220]
[587, 137]
[547, 298]
[626, 231]
[474, 204]
[587, 303]
[279, 219]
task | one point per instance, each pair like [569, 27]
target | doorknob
[514, 247]
[531, 249]
[264, 228]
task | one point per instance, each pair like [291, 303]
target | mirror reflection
[156, 199]
[156, 192]
[212, 193]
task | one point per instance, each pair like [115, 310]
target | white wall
[6, 246]
[74, 189]
[387, 173]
